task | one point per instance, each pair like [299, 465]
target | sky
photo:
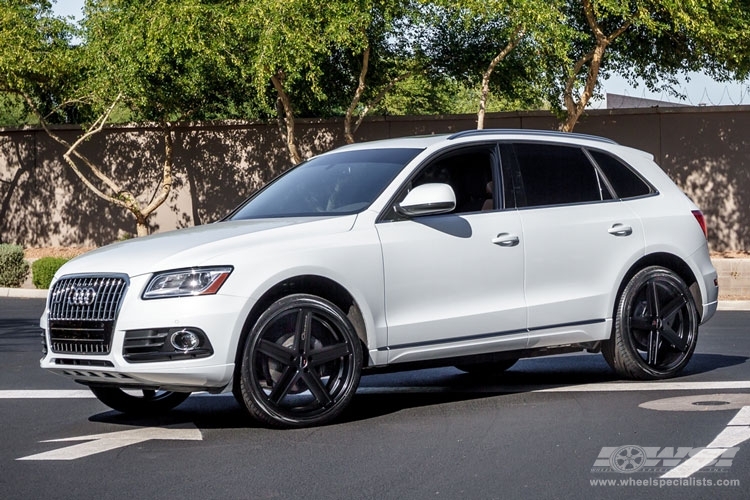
[699, 89]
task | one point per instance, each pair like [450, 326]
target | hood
[200, 245]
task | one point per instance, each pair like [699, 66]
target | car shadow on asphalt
[383, 394]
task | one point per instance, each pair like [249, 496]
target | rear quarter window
[624, 181]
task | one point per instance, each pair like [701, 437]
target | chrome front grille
[82, 313]
[89, 298]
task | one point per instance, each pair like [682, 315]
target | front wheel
[145, 402]
[301, 363]
[656, 326]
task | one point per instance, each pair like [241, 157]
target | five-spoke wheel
[656, 326]
[301, 363]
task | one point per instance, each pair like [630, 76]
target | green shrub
[42, 270]
[13, 269]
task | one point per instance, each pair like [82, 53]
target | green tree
[150, 61]
[164, 62]
[285, 43]
[391, 59]
[494, 44]
[37, 61]
[650, 39]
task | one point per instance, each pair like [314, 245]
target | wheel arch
[671, 262]
[320, 286]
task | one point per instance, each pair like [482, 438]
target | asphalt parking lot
[559, 427]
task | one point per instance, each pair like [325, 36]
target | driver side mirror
[428, 199]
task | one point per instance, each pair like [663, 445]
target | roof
[425, 141]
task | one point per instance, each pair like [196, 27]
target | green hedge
[42, 270]
[13, 269]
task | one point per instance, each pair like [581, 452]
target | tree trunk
[488, 73]
[291, 141]
[348, 133]
[103, 186]
[141, 228]
[574, 109]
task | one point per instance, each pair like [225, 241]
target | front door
[457, 277]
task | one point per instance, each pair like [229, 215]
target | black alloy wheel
[656, 326]
[301, 363]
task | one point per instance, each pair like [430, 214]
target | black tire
[139, 402]
[301, 363]
[489, 369]
[655, 326]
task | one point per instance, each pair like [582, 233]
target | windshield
[334, 184]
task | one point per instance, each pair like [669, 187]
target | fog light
[185, 340]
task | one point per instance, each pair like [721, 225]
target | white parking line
[736, 432]
[99, 443]
[596, 387]
[47, 394]
[652, 386]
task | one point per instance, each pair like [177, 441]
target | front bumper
[220, 317]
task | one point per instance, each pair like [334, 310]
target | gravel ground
[65, 252]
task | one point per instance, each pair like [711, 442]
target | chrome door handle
[620, 230]
[506, 240]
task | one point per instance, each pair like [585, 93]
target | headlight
[187, 282]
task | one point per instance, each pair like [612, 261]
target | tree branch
[514, 40]
[166, 181]
[594, 59]
[97, 126]
[294, 153]
[348, 133]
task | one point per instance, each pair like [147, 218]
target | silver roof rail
[548, 133]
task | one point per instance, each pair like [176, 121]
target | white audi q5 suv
[473, 250]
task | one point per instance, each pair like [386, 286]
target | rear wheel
[141, 402]
[301, 363]
[656, 326]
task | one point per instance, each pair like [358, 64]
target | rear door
[578, 240]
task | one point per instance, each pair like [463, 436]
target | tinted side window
[556, 175]
[469, 173]
[623, 180]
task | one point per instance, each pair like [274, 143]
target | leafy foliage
[655, 40]
[13, 269]
[162, 61]
[44, 269]
[38, 63]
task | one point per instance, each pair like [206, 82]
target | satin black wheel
[656, 326]
[301, 363]
[141, 402]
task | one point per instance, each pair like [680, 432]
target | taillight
[701, 222]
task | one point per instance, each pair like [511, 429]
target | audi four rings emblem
[82, 296]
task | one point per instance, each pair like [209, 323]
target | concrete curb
[23, 293]
[734, 278]
[734, 305]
